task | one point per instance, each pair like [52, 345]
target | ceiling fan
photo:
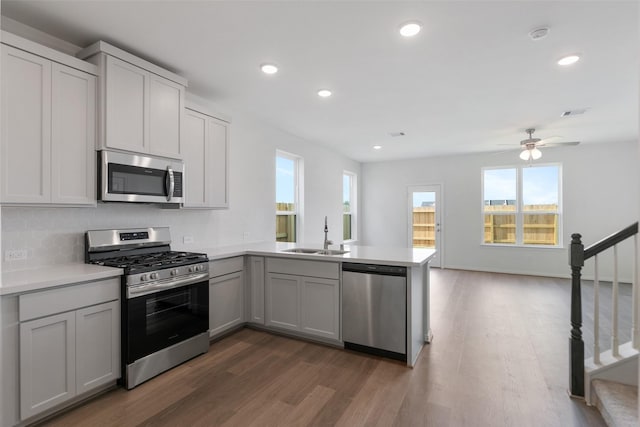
[530, 146]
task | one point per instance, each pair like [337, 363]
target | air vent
[394, 134]
[573, 112]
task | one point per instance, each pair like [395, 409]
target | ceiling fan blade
[544, 140]
[559, 144]
[511, 150]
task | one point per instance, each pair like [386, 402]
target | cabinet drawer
[46, 303]
[298, 267]
[225, 266]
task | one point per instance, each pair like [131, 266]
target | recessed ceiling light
[410, 29]
[269, 68]
[568, 60]
[377, 147]
[324, 93]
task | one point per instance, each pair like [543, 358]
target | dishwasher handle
[383, 270]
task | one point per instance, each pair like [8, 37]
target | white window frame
[298, 169]
[519, 212]
[353, 204]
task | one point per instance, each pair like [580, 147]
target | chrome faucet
[327, 242]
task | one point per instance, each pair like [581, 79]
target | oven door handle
[170, 183]
[139, 290]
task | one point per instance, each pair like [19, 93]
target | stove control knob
[174, 272]
[143, 278]
[200, 267]
[190, 269]
[154, 276]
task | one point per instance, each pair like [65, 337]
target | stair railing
[577, 256]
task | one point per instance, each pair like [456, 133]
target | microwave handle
[170, 183]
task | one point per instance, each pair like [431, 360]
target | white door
[424, 214]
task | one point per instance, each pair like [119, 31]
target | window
[521, 205]
[349, 206]
[287, 196]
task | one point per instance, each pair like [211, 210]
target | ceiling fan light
[536, 154]
[525, 154]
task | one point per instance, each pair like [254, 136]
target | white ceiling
[470, 81]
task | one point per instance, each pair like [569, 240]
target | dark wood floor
[499, 358]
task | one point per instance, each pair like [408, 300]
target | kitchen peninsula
[265, 258]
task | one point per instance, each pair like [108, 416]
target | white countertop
[406, 257]
[20, 281]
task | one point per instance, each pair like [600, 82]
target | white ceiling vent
[573, 112]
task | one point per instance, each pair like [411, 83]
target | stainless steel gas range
[165, 299]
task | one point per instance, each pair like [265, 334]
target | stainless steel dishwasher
[374, 309]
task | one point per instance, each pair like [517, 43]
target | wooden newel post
[576, 345]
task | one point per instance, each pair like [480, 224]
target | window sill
[513, 245]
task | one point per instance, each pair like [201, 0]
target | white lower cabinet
[301, 303]
[47, 363]
[256, 285]
[320, 307]
[69, 343]
[226, 295]
[97, 345]
[283, 301]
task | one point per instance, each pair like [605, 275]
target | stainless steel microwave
[127, 177]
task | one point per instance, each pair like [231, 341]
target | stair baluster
[596, 312]
[635, 298]
[615, 345]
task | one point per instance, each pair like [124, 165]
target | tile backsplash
[56, 235]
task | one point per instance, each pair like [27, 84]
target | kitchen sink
[316, 251]
[331, 252]
[302, 251]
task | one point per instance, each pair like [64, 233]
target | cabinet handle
[171, 185]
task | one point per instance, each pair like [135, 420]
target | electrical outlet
[187, 239]
[245, 235]
[15, 255]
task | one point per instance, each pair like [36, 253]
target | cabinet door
[98, 345]
[166, 100]
[126, 113]
[226, 302]
[320, 307]
[73, 128]
[282, 301]
[47, 363]
[26, 127]
[195, 152]
[219, 146]
[256, 272]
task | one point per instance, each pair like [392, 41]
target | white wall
[600, 187]
[55, 235]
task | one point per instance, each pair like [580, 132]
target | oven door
[160, 320]
[135, 178]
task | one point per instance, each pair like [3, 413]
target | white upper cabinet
[166, 103]
[205, 154]
[141, 107]
[73, 136]
[48, 127]
[125, 106]
[26, 127]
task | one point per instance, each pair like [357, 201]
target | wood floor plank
[498, 358]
